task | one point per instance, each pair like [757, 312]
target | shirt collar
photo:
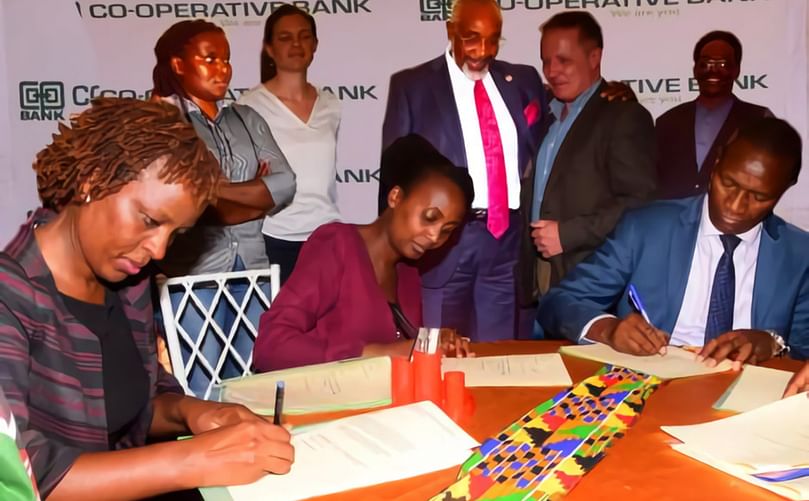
[707, 228]
[190, 106]
[577, 104]
[722, 109]
[28, 254]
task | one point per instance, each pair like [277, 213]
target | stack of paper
[773, 438]
[755, 386]
[350, 384]
[676, 363]
[364, 450]
[511, 370]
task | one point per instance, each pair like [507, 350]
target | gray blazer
[605, 165]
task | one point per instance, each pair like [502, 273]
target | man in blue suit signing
[719, 271]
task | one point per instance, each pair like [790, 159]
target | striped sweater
[51, 366]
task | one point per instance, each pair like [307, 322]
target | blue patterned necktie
[723, 292]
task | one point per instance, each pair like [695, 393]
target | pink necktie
[497, 221]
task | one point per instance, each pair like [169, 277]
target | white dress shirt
[463, 88]
[690, 327]
[311, 148]
[689, 330]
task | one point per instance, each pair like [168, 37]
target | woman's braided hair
[111, 143]
[173, 44]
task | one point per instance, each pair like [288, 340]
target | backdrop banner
[57, 55]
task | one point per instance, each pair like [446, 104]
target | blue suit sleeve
[397, 113]
[798, 339]
[592, 287]
[395, 125]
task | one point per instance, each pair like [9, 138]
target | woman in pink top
[355, 290]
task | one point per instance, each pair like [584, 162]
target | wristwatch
[781, 347]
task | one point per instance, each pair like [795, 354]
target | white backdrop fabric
[57, 54]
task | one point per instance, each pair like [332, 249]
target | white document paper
[755, 386]
[767, 439]
[364, 450]
[350, 384]
[770, 438]
[797, 489]
[676, 363]
[511, 370]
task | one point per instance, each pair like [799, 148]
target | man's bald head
[459, 5]
[474, 31]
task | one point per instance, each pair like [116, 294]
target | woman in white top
[304, 121]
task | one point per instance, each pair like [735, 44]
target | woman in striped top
[77, 350]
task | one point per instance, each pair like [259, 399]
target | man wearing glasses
[690, 136]
[486, 115]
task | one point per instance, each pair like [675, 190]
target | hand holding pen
[634, 334]
[642, 331]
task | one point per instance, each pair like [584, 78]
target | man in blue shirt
[689, 136]
[596, 160]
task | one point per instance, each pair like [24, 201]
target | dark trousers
[284, 253]
[480, 299]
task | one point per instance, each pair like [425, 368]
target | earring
[87, 199]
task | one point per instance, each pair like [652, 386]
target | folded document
[365, 382]
[676, 363]
[349, 384]
[511, 370]
[755, 386]
[767, 442]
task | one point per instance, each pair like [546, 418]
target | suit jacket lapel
[723, 136]
[445, 104]
[683, 243]
[769, 267]
[510, 93]
[691, 145]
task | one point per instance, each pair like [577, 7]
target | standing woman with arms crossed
[304, 120]
[193, 72]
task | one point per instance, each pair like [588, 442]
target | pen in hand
[279, 403]
[637, 304]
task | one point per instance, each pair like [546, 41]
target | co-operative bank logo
[358, 176]
[434, 10]
[217, 11]
[439, 10]
[42, 100]
[48, 100]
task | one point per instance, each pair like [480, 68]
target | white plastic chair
[211, 324]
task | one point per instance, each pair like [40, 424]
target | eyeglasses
[475, 41]
[713, 64]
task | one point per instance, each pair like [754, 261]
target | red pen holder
[454, 394]
[421, 380]
[402, 381]
[427, 374]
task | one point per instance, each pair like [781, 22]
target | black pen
[279, 403]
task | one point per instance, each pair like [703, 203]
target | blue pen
[635, 301]
[783, 476]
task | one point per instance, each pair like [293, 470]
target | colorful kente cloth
[544, 454]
